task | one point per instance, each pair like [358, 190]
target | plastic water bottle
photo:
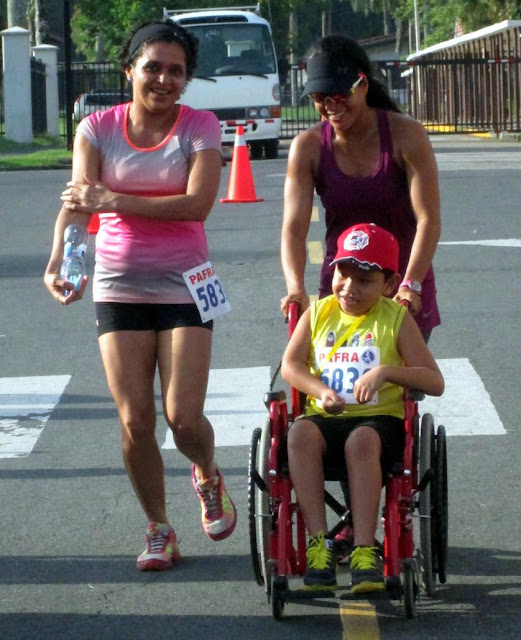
[75, 240]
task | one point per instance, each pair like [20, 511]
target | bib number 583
[207, 291]
[211, 295]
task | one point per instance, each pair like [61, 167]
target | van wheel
[255, 151]
[271, 150]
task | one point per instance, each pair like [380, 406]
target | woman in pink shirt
[151, 169]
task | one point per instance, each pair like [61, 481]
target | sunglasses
[338, 97]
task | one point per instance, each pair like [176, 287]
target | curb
[508, 136]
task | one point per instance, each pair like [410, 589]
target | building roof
[494, 29]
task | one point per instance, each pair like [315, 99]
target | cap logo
[356, 241]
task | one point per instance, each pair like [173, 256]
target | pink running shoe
[218, 516]
[343, 544]
[161, 551]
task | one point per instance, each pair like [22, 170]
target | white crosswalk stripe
[509, 243]
[235, 406]
[478, 161]
[25, 406]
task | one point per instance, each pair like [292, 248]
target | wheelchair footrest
[341, 592]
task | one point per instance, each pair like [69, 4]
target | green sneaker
[366, 571]
[320, 564]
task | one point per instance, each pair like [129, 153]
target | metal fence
[447, 96]
[38, 96]
[465, 95]
[2, 130]
[454, 95]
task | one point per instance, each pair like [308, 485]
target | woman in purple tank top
[368, 162]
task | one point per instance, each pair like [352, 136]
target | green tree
[438, 18]
[99, 28]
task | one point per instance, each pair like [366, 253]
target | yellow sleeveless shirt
[378, 331]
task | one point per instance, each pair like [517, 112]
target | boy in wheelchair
[353, 353]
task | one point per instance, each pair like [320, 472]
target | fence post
[48, 54]
[17, 84]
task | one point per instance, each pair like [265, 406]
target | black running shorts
[124, 316]
[336, 431]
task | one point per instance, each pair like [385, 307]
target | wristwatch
[413, 285]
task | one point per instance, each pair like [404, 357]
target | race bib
[207, 292]
[347, 364]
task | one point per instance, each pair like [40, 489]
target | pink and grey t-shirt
[140, 259]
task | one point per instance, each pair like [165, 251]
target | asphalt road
[70, 526]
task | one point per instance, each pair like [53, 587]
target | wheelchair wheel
[410, 590]
[441, 505]
[427, 457]
[263, 503]
[253, 507]
[278, 585]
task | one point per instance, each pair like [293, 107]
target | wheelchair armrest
[274, 396]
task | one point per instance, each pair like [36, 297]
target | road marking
[234, 405]
[465, 408]
[510, 242]
[359, 621]
[315, 252]
[25, 407]
[478, 161]
[314, 214]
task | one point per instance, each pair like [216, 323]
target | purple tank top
[382, 198]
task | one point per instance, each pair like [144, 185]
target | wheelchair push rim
[264, 513]
[258, 505]
[441, 505]
[252, 515]
[426, 503]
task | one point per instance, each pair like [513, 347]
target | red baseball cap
[369, 246]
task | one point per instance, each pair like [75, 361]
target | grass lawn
[43, 151]
[305, 113]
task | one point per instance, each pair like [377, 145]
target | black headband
[154, 31]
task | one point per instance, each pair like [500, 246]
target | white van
[237, 75]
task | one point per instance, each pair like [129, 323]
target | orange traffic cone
[241, 187]
[93, 226]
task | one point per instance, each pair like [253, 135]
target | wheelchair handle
[293, 316]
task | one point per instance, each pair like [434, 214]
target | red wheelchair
[415, 490]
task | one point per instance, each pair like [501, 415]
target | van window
[231, 49]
